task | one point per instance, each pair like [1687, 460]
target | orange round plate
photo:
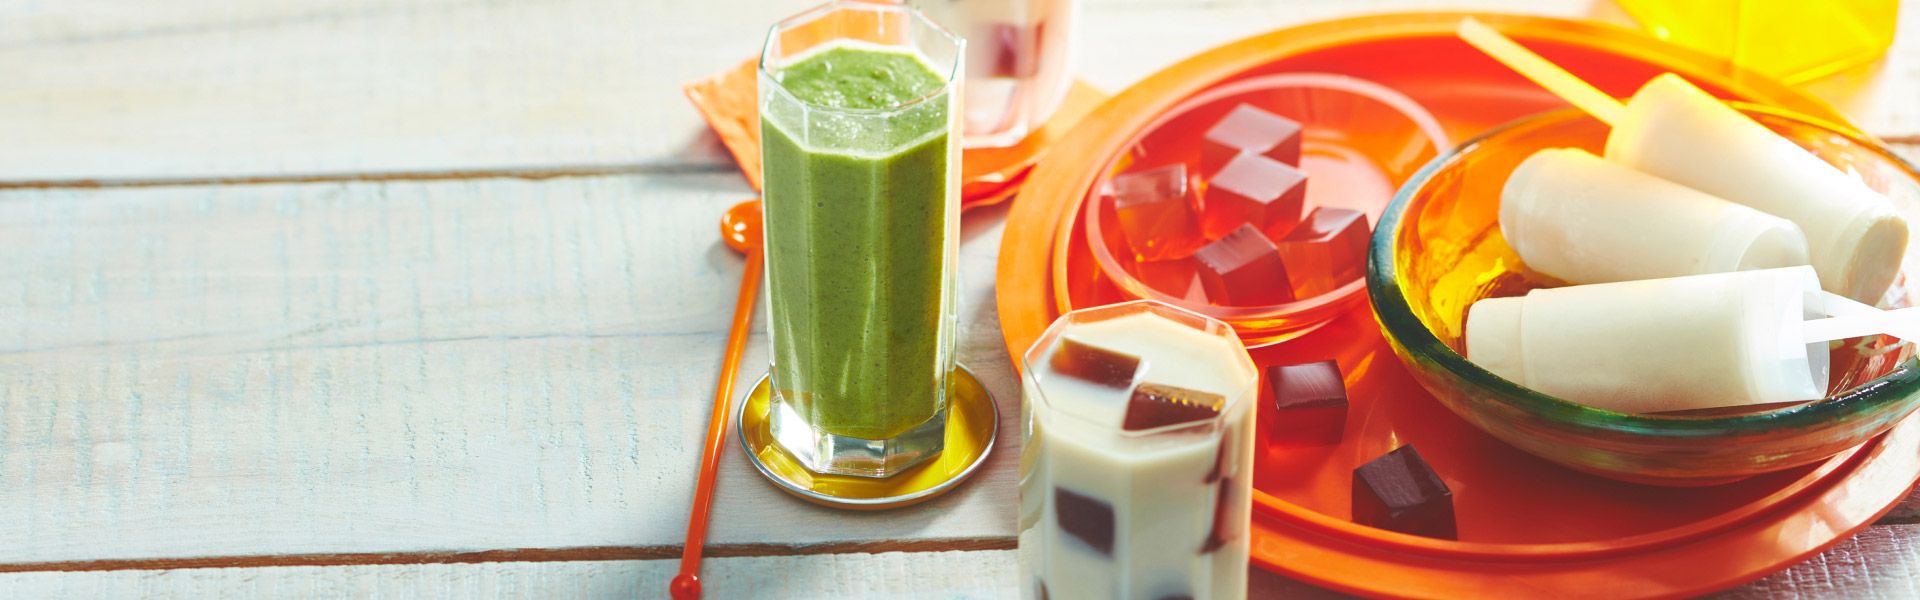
[1527, 527]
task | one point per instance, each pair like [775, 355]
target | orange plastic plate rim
[1340, 555]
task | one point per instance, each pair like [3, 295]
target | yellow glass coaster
[972, 422]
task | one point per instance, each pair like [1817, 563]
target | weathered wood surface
[399, 366]
[194, 89]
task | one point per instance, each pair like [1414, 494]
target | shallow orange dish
[1527, 527]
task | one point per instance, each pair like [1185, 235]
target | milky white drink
[1674, 130]
[1701, 341]
[1136, 474]
[1019, 62]
[1582, 219]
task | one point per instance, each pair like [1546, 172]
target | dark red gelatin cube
[1310, 404]
[1094, 364]
[1249, 129]
[1084, 518]
[1325, 251]
[1400, 492]
[1155, 405]
[1223, 463]
[1252, 189]
[1228, 523]
[1243, 269]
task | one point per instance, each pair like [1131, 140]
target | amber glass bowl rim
[1402, 326]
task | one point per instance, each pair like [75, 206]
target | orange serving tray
[1527, 527]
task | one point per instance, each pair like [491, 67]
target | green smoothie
[860, 244]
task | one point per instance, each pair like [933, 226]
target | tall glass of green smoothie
[859, 117]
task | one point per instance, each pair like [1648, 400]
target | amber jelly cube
[1249, 130]
[1154, 405]
[1155, 208]
[1095, 365]
[1243, 269]
[1399, 492]
[1310, 404]
[1252, 189]
[1325, 251]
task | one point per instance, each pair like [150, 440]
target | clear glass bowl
[1438, 249]
[1359, 142]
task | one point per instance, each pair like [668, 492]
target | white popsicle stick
[1853, 319]
[1548, 75]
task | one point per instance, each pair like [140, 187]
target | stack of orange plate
[1527, 527]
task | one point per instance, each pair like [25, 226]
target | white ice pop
[1701, 341]
[1855, 238]
[1579, 218]
[1676, 131]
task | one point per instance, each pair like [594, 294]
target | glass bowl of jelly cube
[1252, 201]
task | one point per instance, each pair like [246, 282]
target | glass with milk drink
[1136, 474]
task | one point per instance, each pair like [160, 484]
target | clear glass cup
[1019, 62]
[862, 231]
[1125, 498]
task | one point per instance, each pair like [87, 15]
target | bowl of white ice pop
[1699, 292]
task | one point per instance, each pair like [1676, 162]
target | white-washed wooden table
[382, 298]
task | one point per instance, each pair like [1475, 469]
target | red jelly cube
[1399, 492]
[1177, 277]
[1243, 269]
[1013, 50]
[1155, 208]
[1325, 251]
[1249, 130]
[1196, 291]
[1252, 189]
[1310, 403]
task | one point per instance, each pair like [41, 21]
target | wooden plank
[213, 88]
[404, 366]
[1880, 563]
[906, 576]
[1907, 512]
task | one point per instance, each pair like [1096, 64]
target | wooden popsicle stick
[1902, 323]
[1548, 75]
[1853, 319]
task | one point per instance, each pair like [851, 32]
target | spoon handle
[686, 585]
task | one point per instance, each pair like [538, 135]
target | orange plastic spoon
[740, 227]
